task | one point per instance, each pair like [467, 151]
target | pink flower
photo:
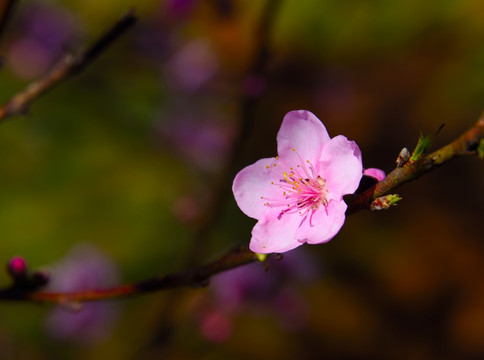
[297, 197]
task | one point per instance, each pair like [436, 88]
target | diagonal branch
[466, 144]
[67, 67]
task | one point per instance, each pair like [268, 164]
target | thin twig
[466, 144]
[66, 68]
[198, 276]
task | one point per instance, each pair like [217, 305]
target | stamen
[301, 188]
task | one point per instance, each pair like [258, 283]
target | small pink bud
[17, 267]
[378, 174]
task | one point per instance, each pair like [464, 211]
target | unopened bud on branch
[403, 157]
[17, 268]
[385, 202]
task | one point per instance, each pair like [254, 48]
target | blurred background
[124, 172]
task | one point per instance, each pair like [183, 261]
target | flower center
[302, 189]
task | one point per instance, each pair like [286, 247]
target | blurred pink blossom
[297, 197]
[216, 326]
[192, 66]
[180, 8]
[82, 269]
[20, 57]
[203, 139]
[186, 209]
[41, 40]
[253, 289]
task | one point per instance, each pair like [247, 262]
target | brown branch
[464, 145]
[198, 276]
[66, 68]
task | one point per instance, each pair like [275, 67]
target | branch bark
[198, 276]
[466, 144]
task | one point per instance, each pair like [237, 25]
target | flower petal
[274, 234]
[341, 167]
[324, 224]
[378, 174]
[303, 131]
[254, 182]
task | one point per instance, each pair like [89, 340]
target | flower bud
[403, 157]
[17, 268]
[384, 202]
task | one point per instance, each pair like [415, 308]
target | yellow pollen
[293, 149]
[267, 166]
[321, 181]
[286, 178]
